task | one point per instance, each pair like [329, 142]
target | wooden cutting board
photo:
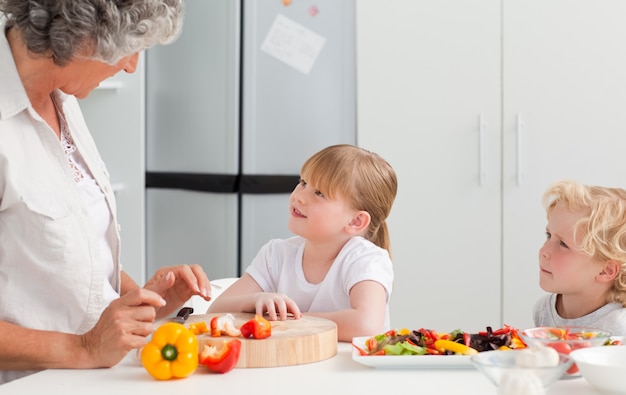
[293, 342]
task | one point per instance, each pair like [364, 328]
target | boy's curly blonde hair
[603, 227]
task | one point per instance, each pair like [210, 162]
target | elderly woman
[65, 302]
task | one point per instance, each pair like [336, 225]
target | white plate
[409, 361]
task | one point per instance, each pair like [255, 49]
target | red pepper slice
[364, 353]
[467, 338]
[258, 328]
[215, 330]
[556, 333]
[432, 351]
[502, 331]
[425, 333]
[224, 325]
[371, 343]
[361, 351]
[220, 359]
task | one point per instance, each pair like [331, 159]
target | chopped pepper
[224, 325]
[371, 343]
[456, 348]
[258, 328]
[220, 359]
[198, 328]
[171, 353]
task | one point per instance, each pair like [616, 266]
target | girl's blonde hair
[603, 225]
[363, 178]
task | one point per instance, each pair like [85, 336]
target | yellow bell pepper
[404, 331]
[505, 348]
[171, 353]
[455, 347]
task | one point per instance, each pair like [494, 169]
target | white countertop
[129, 377]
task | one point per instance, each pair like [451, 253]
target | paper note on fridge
[293, 44]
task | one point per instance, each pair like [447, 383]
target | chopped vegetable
[361, 351]
[566, 334]
[171, 353]
[198, 328]
[220, 359]
[614, 342]
[457, 348]
[493, 340]
[371, 343]
[224, 325]
[258, 328]
[455, 342]
[404, 348]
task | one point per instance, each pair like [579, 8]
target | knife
[182, 315]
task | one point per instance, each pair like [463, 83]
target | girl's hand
[277, 306]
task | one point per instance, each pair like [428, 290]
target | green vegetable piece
[404, 348]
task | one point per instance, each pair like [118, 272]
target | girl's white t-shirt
[278, 268]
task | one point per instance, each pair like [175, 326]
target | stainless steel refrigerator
[250, 90]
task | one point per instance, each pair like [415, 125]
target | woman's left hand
[176, 284]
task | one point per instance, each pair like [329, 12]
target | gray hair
[108, 29]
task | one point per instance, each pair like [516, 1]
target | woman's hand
[124, 325]
[276, 305]
[176, 284]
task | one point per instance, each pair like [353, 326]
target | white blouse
[96, 205]
[53, 266]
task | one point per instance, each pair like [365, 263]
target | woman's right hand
[124, 325]
[277, 306]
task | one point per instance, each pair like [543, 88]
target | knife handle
[185, 312]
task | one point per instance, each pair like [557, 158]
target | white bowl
[603, 367]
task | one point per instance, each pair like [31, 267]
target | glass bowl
[565, 339]
[501, 369]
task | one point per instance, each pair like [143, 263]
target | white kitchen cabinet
[428, 73]
[564, 76]
[547, 79]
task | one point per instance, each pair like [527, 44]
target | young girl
[583, 261]
[339, 264]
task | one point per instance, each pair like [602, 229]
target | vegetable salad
[430, 342]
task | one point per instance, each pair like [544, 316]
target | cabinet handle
[481, 167]
[519, 130]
